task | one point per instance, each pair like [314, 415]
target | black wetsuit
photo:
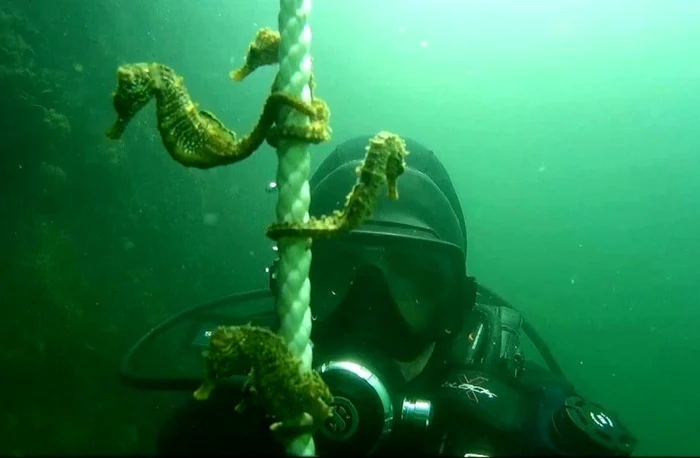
[478, 409]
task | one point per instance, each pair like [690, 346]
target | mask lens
[333, 270]
[417, 282]
[418, 276]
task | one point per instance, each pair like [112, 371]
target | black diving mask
[422, 277]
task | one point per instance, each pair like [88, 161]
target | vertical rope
[294, 195]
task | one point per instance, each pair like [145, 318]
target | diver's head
[396, 283]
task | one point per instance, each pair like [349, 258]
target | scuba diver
[420, 358]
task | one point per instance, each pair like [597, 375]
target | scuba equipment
[370, 405]
[370, 319]
[580, 427]
[424, 289]
[358, 347]
[494, 339]
[366, 386]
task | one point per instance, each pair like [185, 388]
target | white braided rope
[294, 196]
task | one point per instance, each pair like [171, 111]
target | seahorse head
[135, 86]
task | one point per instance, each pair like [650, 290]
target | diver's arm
[508, 406]
[478, 414]
[481, 412]
[212, 427]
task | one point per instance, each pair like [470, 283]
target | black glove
[486, 413]
[479, 413]
[212, 428]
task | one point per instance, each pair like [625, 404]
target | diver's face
[371, 303]
[418, 280]
[368, 319]
[382, 294]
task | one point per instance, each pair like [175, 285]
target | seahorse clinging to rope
[299, 400]
[384, 162]
[193, 137]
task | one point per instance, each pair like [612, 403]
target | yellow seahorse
[193, 137]
[384, 162]
[298, 400]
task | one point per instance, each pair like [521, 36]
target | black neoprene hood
[427, 207]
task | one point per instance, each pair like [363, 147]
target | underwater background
[570, 128]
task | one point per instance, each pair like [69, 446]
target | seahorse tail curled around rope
[384, 162]
[193, 137]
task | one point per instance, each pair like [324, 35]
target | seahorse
[298, 400]
[264, 50]
[193, 137]
[384, 162]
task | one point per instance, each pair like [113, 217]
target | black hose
[177, 383]
[543, 348]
